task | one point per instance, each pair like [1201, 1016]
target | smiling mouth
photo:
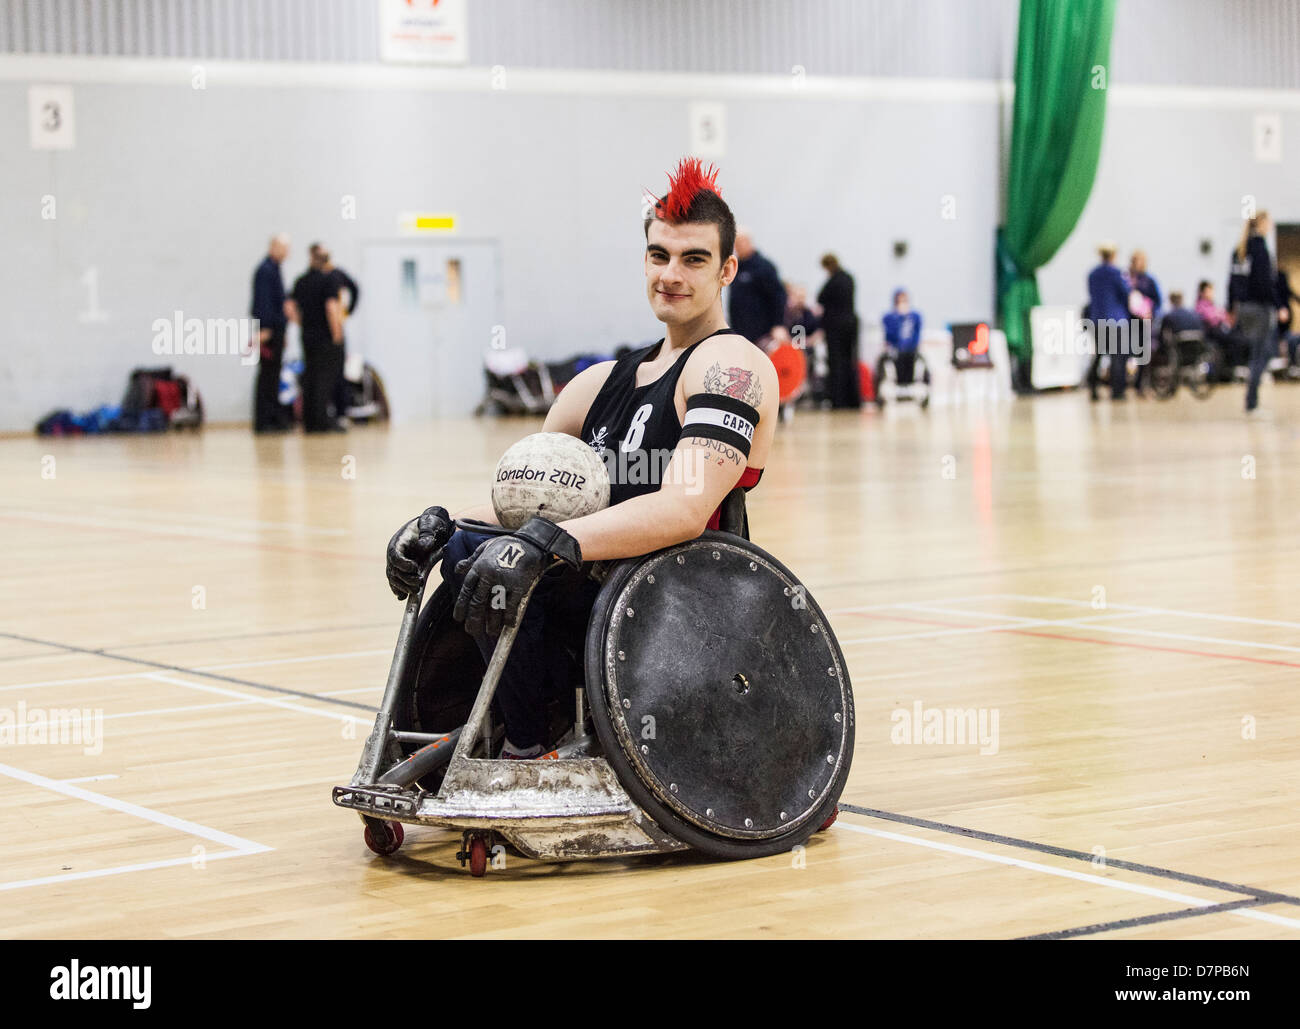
[672, 296]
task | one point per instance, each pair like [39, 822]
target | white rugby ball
[549, 474]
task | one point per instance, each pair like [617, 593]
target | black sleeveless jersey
[634, 429]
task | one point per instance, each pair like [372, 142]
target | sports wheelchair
[1183, 357]
[712, 711]
[898, 379]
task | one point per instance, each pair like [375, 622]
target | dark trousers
[266, 405]
[1255, 324]
[539, 669]
[322, 367]
[341, 391]
[1118, 366]
[843, 378]
[905, 366]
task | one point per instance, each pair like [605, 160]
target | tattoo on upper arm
[724, 453]
[741, 383]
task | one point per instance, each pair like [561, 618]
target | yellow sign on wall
[426, 221]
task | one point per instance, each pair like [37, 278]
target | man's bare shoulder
[732, 366]
[571, 406]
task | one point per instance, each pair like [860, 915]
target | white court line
[1148, 610]
[204, 668]
[1067, 873]
[292, 660]
[966, 630]
[204, 532]
[136, 811]
[120, 869]
[1186, 637]
[90, 778]
[191, 516]
[933, 633]
[269, 701]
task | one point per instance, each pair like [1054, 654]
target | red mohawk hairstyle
[689, 182]
[693, 197]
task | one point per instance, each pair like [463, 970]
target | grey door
[428, 312]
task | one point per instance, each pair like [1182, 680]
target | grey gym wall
[171, 193]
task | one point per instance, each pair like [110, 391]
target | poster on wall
[423, 31]
[708, 125]
[1268, 138]
[49, 111]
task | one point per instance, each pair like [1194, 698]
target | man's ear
[729, 267]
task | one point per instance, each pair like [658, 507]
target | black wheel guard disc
[723, 686]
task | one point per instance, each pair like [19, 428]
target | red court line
[1083, 639]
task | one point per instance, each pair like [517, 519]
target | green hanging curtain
[1062, 58]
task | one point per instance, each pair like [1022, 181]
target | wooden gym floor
[1113, 585]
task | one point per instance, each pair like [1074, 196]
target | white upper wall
[1241, 43]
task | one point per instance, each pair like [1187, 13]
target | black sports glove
[503, 569]
[412, 546]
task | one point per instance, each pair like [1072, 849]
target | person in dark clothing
[1179, 318]
[1108, 308]
[1252, 297]
[1142, 282]
[703, 389]
[320, 314]
[840, 324]
[802, 325]
[757, 299]
[343, 282]
[269, 308]
[1286, 298]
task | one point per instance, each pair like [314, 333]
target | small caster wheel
[478, 856]
[830, 821]
[384, 837]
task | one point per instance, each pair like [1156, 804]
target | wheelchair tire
[880, 381]
[1200, 374]
[781, 728]
[443, 673]
[1164, 372]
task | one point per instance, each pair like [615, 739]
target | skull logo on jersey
[597, 441]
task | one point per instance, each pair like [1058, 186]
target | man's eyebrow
[693, 252]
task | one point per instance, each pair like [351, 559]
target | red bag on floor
[168, 394]
[866, 387]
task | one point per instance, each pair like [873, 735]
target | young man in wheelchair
[703, 395]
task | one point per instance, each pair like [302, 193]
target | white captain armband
[726, 419]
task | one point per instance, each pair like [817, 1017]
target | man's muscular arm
[703, 469]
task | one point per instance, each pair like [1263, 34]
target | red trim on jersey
[748, 480]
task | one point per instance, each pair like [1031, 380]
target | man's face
[279, 250]
[1139, 264]
[683, 275]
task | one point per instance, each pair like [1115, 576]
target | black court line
[1265, 896]
[1129, 923]
[244, 636]
[190, 671]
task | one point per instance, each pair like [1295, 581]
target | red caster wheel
[474, 849]
[477, 856]
[830, 821]
[384, 837]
